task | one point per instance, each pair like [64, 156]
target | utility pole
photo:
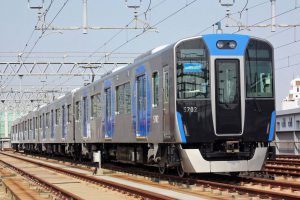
[273, 14]
[239, 24]
[139, 24]
[84, 18]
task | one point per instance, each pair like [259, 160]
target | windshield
[227, 81]
[192, 70]
[259, 69]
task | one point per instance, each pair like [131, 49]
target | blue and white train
[203, 104]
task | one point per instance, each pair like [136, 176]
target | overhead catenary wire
[267, 19]
[44, 14]
[142, 33]
[119, 32]
[247, 1]
[287, 44]
[238, 12]
[43, 32]
[288, 66]
[63, 6]
[287, 57]
[34, 29]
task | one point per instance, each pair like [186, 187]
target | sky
[173, 19]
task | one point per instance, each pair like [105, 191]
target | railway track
[64, 194]
[296, 157]
[239, 185]
[284, 162]
[252, 187]
[281, 171]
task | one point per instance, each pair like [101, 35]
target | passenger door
[64, 122]
[52, 124]
[84, 117]
[108, 114]
[141, 98]
[166, 103]
[228, 98]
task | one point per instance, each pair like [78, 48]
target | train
[203, 104]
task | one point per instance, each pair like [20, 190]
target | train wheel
[180, 171]
[234, 174]
[162, 169]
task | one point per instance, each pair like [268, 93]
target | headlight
[226, 44]
[220, 44]
[232, 44]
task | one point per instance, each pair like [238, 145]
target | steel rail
[283, 162]
[230, 187]
[118, 186]
[52, 188]
[283, 168]
[288, 156]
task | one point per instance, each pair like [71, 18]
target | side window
[278, 126]
[77, 110]
[96, 105]
[283, 122]
[155, 89]
[166, 86]
[120, 99]
[123, 98]
[127, 98]
[40, 121]
[47, 119]
[69, 113]
[57, 116]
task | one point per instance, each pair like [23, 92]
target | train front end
[225, 106]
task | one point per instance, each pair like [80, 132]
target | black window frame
[155, 89]
[204, 74]
[255, 44]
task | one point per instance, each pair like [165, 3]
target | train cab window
[96, 105]
[259, 74]
[192, 70]
[155, 97]
[69, 113]
[77, 110]
[57, 116]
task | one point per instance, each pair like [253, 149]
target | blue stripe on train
[272, 126]
[181, 130]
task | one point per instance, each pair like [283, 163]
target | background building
[6, 119]
[293, 98]
[288, 131]
[288, 122]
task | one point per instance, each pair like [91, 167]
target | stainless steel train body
[203, 104]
